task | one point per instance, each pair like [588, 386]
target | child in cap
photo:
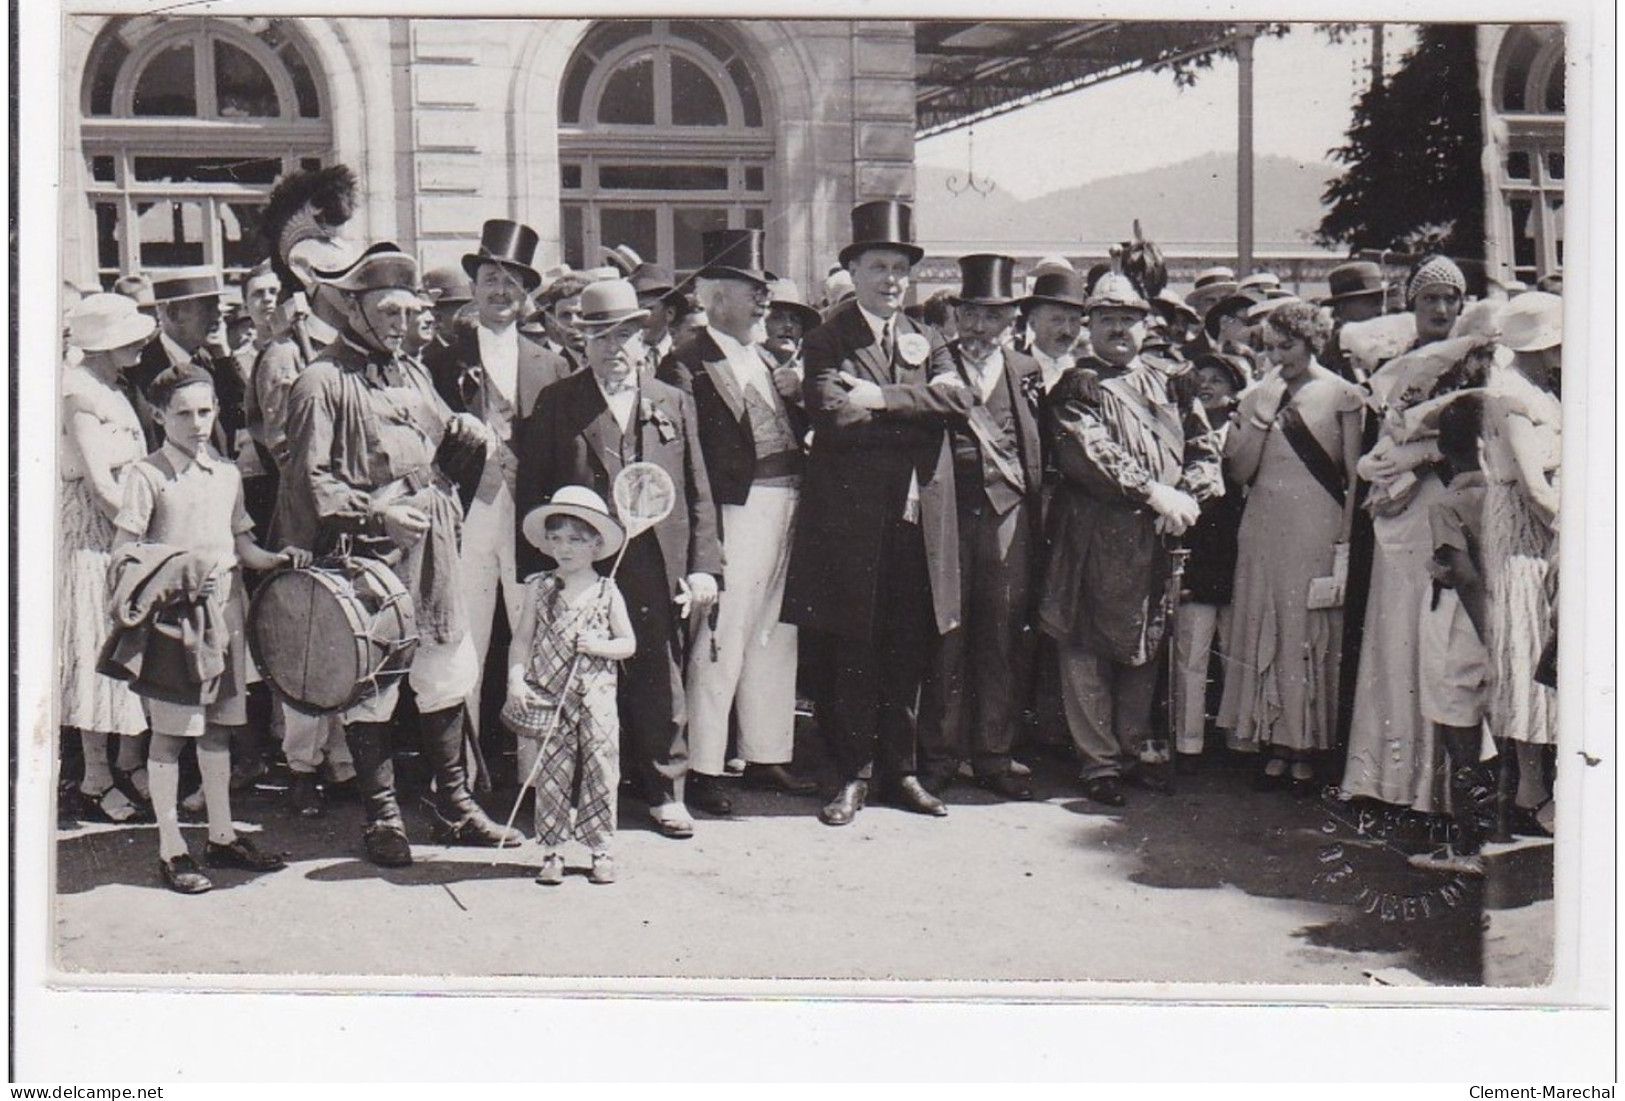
[572, 630]
[184, 497]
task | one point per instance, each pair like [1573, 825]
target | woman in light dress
[1294, 442]
[101, 437]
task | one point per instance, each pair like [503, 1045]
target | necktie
[888, 339]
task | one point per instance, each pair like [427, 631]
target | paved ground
[1212, 884]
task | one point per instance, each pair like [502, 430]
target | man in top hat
[1358, 292]
[751, 436]
[585, 430]
[875, 563]
[1212, 284]
[366, 430]
[493, 371]
[973, 705]
[187, 301]
[1136, 457]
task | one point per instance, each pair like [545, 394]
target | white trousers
[484, 568]
[755, 665]
[1198, 629]
[307, 740]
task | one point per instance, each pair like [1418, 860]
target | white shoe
[674, 820]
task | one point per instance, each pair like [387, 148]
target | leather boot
[385, 836]
[458, 820]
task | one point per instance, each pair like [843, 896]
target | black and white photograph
[723, 516]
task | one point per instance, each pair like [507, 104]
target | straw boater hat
[882, 224]
[583, 504]
[510, 244]
[1212, 284]
[985, 279]
[607, 303]
[102, 322]
[785, 295]
[1358, 279]
[1532, 322]
[1260, 283]
[182, 284]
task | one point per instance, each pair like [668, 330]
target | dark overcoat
[858, 473]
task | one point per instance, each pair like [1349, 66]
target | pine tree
[1414, 180]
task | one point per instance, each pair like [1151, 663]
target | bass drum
[334, 633]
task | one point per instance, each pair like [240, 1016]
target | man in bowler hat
[494, 371]
[875, 565]
[973, 703]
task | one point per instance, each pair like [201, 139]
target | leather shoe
[386, 845]
[778, 778]
[707, 793]
[240, 852]
[475, 829]
[1007, 785]
[910, 794]
[180, 874]
[1104, 790]
[846, 804]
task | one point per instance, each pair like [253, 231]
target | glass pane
[695, 100]
[747, 91]
[687, 224]
[575, 246]
[1554, 166]
[304, 84]
[573, 88]
[261, 170]
[755, 218]
[170, 233]
[108, 62]
[674, 177]
[629, 95]
[611, 33]
[102, 169]
[167, 86]
[755, 179]
[240, 244]
[1523, 233]
[1520, 53]
[242, 88]
[310, 164]
[637, 228]
[570, 177]
[1518, 166]
[107, 236]
[704, 37]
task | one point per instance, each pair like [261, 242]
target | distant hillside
[1192, 203]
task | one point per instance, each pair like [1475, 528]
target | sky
[1304, 89]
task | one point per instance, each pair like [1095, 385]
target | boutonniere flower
[649, 414]
[913, 347]
[1032, 388]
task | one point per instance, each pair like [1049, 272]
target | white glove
[1175, 510]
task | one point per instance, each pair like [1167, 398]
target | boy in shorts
[185, 496]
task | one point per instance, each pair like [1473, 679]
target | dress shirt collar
[1051, 369]
[984, 375]
[182, 462]
[177, 355]
[877, 324]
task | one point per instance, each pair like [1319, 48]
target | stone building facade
[643, 132]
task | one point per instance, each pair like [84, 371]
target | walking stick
[1178, 555]
[644, 495]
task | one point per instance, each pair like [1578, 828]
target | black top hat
[510, 244]
[1353, 280]
[986, 279]
[1061, 287]
[735, 254]
[884, 223]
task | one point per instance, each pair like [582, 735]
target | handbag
[534, 721]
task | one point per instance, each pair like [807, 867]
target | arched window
[1528, 93]
[186, 124]
[662, 138]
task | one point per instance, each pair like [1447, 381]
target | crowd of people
[1319, 532]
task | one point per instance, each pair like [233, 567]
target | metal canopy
[966, 71]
